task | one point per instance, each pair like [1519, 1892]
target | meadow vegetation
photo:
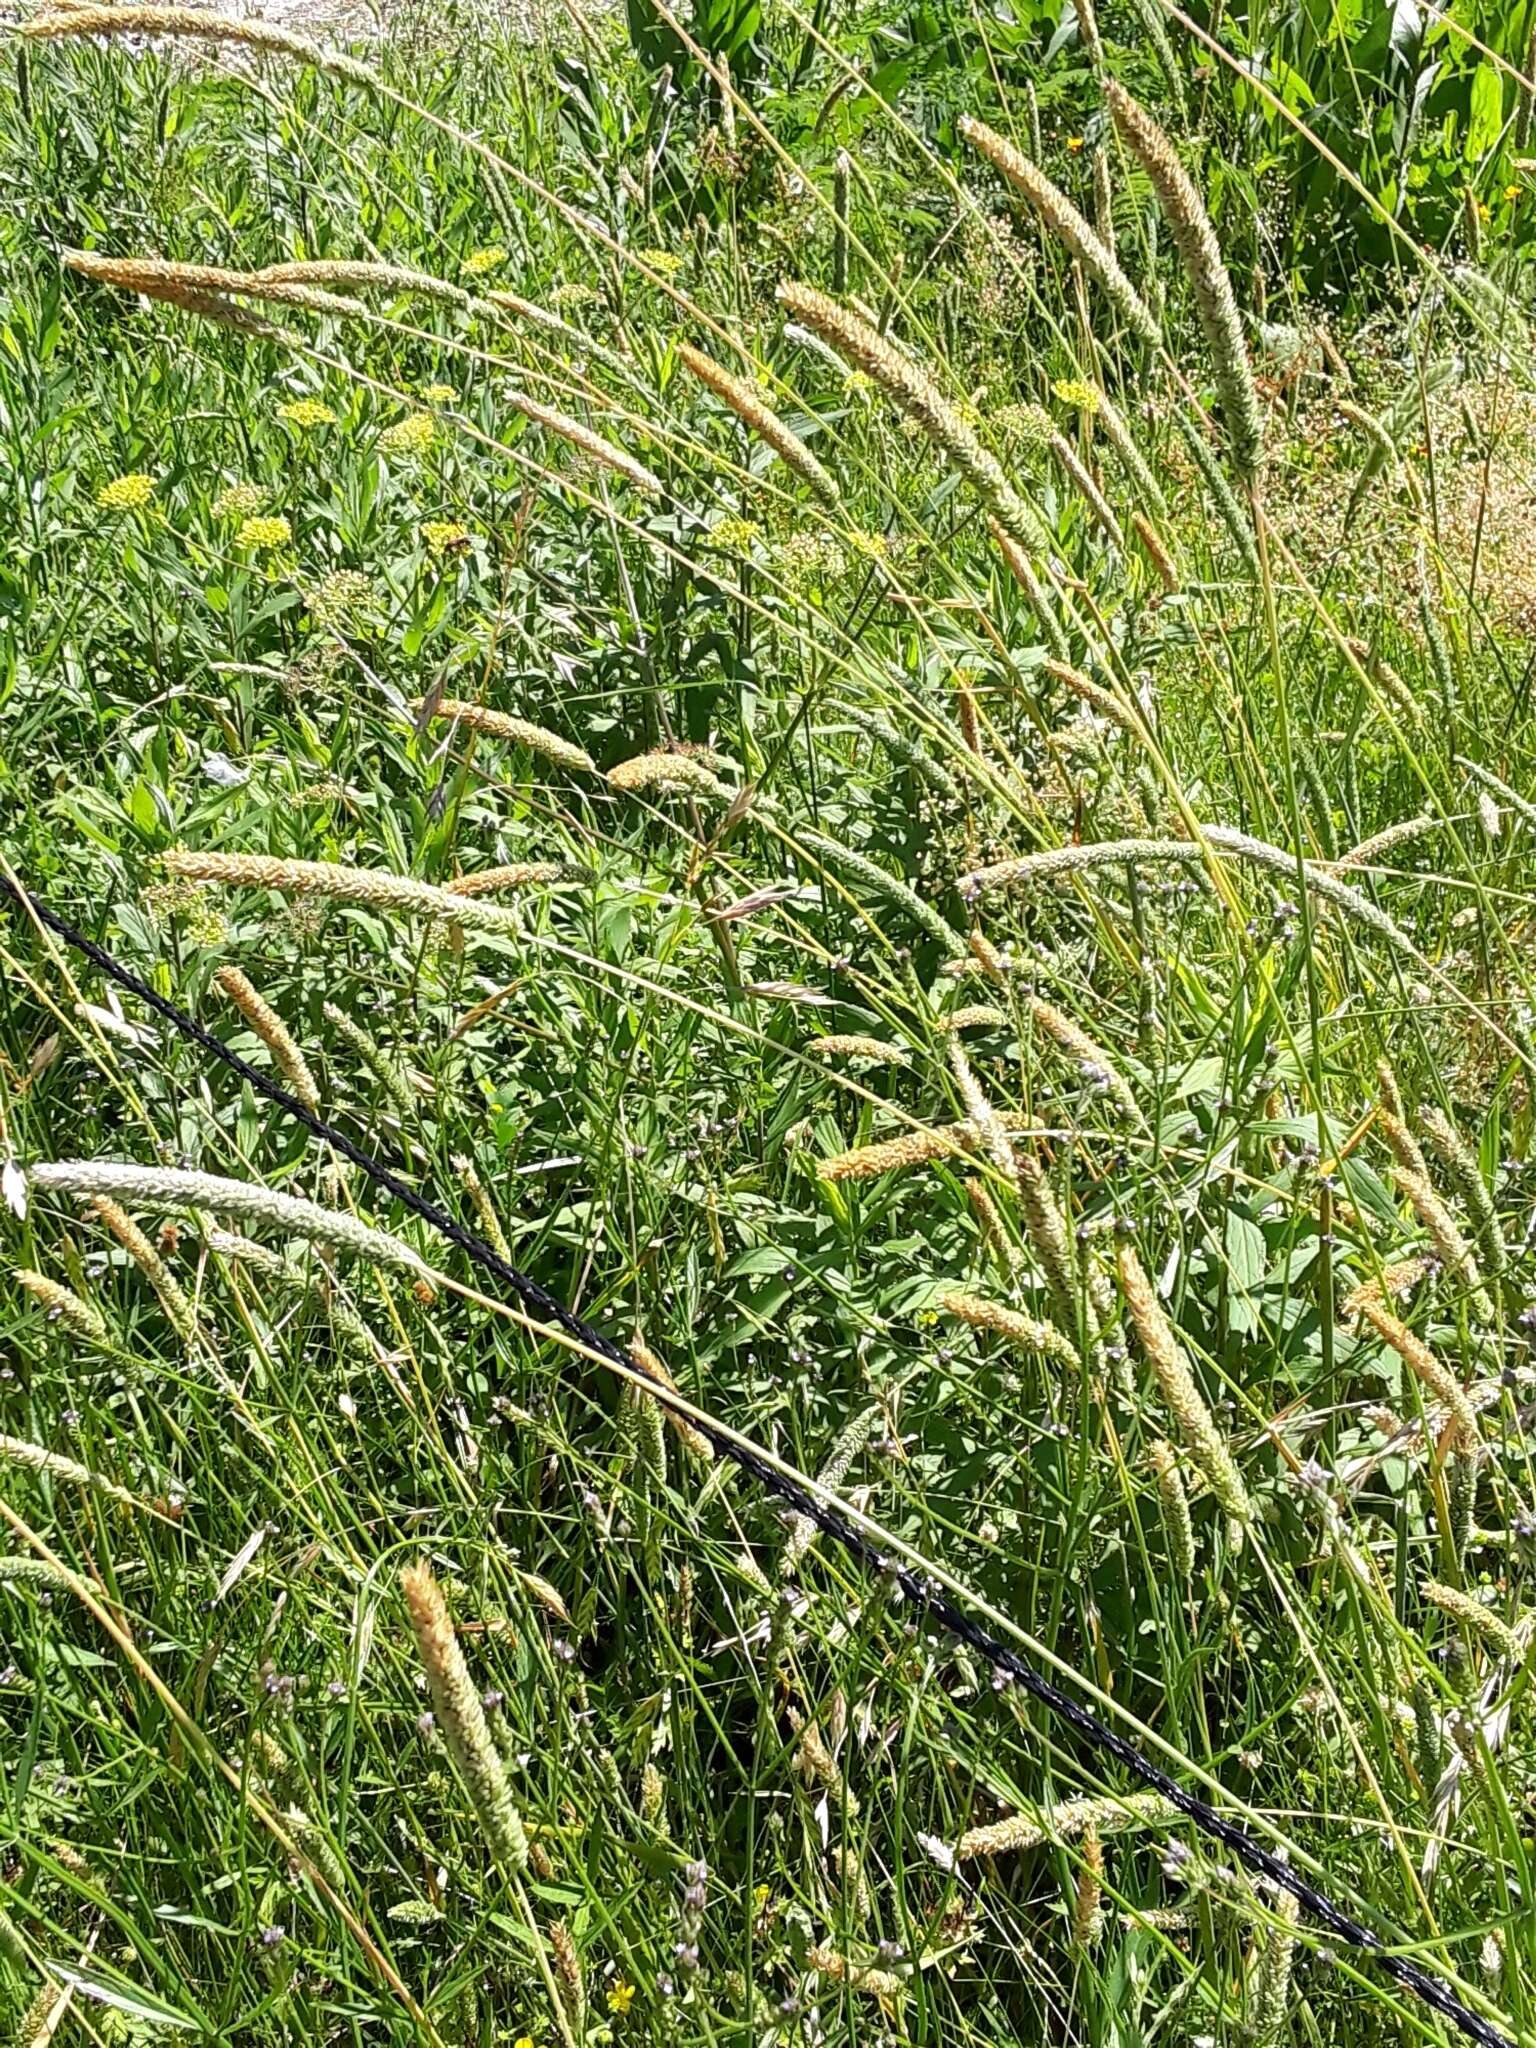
[863, 677]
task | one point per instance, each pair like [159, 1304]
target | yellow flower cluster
[339, 597]
[438, 394]
[736, 533]
[481, 262]
[445, 537]
[1074, 392]
[265, 530]
[662, 261]
[238, 501]
[128, 493]
[413, 435]
[306, 412]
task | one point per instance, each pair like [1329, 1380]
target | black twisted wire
[924, 1593]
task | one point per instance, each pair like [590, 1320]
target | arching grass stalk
[502, 725]
[375, 887]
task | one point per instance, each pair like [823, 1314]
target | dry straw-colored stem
[914, 393]
[502, 725]
[1196, 241]
[1067, 224]
[376, 887]
[168, 1187]
[1165, 1354]
[461, 1718]
[273, 1033]
[749, 408]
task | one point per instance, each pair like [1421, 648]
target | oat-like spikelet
[1473, 1615]
[1067, 224]
[696, 1444]
[521, 874]
[1043, 1339]
[846, 1446]
[273, 1033]
[1269, 1987]
[568, 1978]
[35, 2025]
[1097, 1065]
[1093, 694]
[178, 1309]
[1455, 1253]
[670, 774]
[1201, 253]
[60, 1304]
[1067, 1821]
[645, 1429]
[891, 1155]
[749, 408]
[484, 1208]
[913, 392]
[1165, 1354]
[166, 1187]
[866, 1977]
[373, 886]
[653, 1792]
[853, 1045]
[1425, 1366]
[877, 878]
[1466, 1178]
[504, 726]
[817, 1765]
[461, 1717]
[56, 23]
[384, 1070]
[1088, 1896]
[1178, 1523]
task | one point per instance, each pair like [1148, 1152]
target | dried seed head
[693, 1441]
[749, 408]
[1043, 1339]
[891, 1155]
[1424, 1365]
[461, 1718]
[178, 1309]
[1165, 1354]
[1201, 253]
[273, 1033]
[373, 886]
[59, 1303]
[503, 726]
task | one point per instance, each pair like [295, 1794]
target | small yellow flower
[413, 435]
[736, 533]
[444, 537]
[621, 1996]
[1482, 210]
[1073, 391]
[128, 493]
[480, 263]
[306, 412]
[238, 501]
[1074, 143]
[439, 394]
[1511, 191]
[524, 2041]
[662, 261]
[264, 531]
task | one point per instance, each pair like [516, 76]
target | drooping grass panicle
[375, 887]
[60, 1304]
[390, 1076]
[697, 1445]
[891, 1155]
[502, 725]
[1067, 224]
[483, 1206]
[273, 1033]
[1215, 302]
[1473, 1615]
[461, 1719]
[1067, 1821]
[1460, 1165]
[882, 883]
[168, 1187]
[1096, 697]
[584, 439]
[178, 1310]
[1422, 1362]
[1386, 841]
[751, 410]
[668, 773]
[1024, 1332]
[914, 393]
[1164, 1353]
[846, 1446]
